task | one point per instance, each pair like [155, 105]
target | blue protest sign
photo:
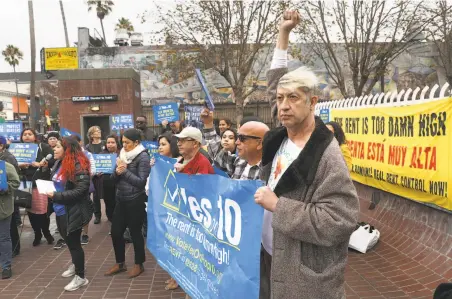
[204, 230]
[3, 176]
[11, 130]
[105, 163]
[209, 101]
[193, 116]
[325, 115]
[24, 152]
[168, 111]
[151, 146]
[67, 133]
[172, 161]
[121, 122]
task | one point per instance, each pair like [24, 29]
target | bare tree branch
[371, 34]
[230, 35]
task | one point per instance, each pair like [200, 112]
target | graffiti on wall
[166, 77]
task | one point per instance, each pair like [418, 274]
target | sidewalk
[381, 273]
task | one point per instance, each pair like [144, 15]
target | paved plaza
[390, 270]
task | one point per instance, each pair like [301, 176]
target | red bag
[38, 203]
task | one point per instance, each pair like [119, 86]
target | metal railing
[389, 99]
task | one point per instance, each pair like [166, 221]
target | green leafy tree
[124, 23]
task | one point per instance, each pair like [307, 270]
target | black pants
[265, 274]
[128, 214]
[16, 215]
[73, 243]
[145, 225]
[109, 197]
[14, 232]
[97, 195]
[40, 224]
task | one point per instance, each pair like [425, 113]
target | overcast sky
[49, 25]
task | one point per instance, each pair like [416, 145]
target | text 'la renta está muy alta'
[420, 156]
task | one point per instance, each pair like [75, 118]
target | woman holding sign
[132, 170]
[73, 208]
[39, 219]
[109, 188]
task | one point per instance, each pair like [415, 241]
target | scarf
[127, 157]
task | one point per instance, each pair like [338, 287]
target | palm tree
[33, 108]
[64, 23]
[12, 56]
[103, 8]
[124, 23]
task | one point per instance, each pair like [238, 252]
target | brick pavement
[385, 272]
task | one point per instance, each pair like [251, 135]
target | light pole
[17, 98]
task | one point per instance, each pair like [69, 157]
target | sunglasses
[243, 138]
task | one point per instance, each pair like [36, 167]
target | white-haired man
[310, 202]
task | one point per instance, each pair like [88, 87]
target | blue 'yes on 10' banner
[205, 231]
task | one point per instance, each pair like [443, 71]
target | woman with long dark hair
[340, 137]
[168, 148]
[132, 170]
[224, 124]
[73, 208]
[216, 142]
[39, 219]
[112, 146]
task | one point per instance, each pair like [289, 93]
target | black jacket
[44, 174]
[131, 184]
[75, 198]
[148, 135]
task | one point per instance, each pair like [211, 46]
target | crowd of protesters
[311, 206]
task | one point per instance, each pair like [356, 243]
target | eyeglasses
[183, 140]
[243, 138]
[140, 122]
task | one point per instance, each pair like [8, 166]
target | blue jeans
[5, 243]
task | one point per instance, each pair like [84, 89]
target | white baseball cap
[190, 132]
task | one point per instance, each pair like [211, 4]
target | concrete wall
[412, 227]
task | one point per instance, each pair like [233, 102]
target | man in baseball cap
[193, 162]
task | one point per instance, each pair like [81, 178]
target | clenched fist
[265, 197]
[291, 18]
[207, 116]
